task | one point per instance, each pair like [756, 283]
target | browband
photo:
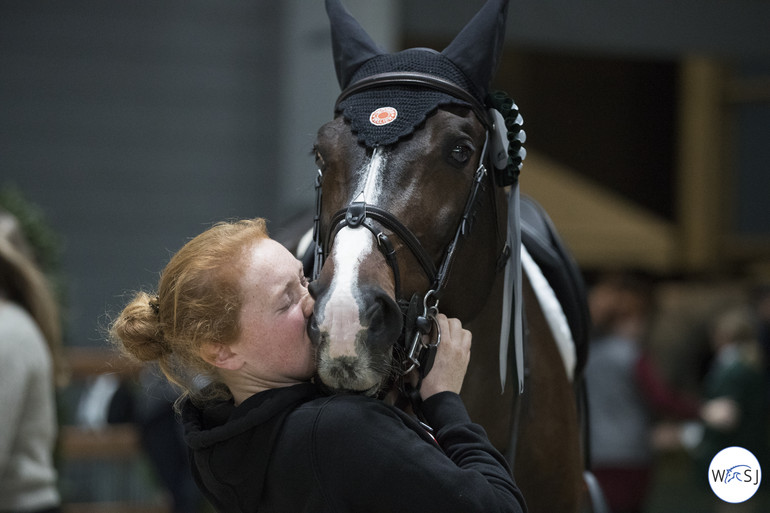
[412, 78]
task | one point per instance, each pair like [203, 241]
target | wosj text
[738, 473]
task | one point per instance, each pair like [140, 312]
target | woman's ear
[220, 355]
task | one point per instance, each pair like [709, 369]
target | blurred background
[129, 127]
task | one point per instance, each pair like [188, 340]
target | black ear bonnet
[387, 111]
[381, 116]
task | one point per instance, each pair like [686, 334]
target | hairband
[155, 304]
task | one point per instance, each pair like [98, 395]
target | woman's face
[273, 342]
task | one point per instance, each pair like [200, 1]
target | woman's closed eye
[294, 292]
[287, 302]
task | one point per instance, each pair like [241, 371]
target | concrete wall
[135, 125]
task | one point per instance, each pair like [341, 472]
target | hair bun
[138, 329]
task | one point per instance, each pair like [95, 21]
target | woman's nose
[307, 304]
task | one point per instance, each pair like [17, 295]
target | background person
[30, 342]
[627, 391]
[735, 411]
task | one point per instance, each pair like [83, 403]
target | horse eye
[461, 153]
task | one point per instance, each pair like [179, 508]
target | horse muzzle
[354, 338]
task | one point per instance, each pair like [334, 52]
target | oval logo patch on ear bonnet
[383, 116]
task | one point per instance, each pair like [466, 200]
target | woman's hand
[452, 357]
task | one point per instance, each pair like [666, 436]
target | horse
[416, 221]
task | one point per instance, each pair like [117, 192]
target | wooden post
[701, 196]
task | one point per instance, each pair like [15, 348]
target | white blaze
[341, 317]
[374, 177]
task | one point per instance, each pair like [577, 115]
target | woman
[30, 338]
[232, 309]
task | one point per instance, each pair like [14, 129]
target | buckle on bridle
[420, 355]
[355, 214]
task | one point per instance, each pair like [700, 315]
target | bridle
[504, 135]
[360, 214]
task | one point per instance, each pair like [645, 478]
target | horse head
[406, 197]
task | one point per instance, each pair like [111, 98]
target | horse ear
[351, 45]
[476, 49]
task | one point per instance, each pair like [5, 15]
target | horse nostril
[384, 319]
[313, 331]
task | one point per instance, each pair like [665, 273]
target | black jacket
[293, 450]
